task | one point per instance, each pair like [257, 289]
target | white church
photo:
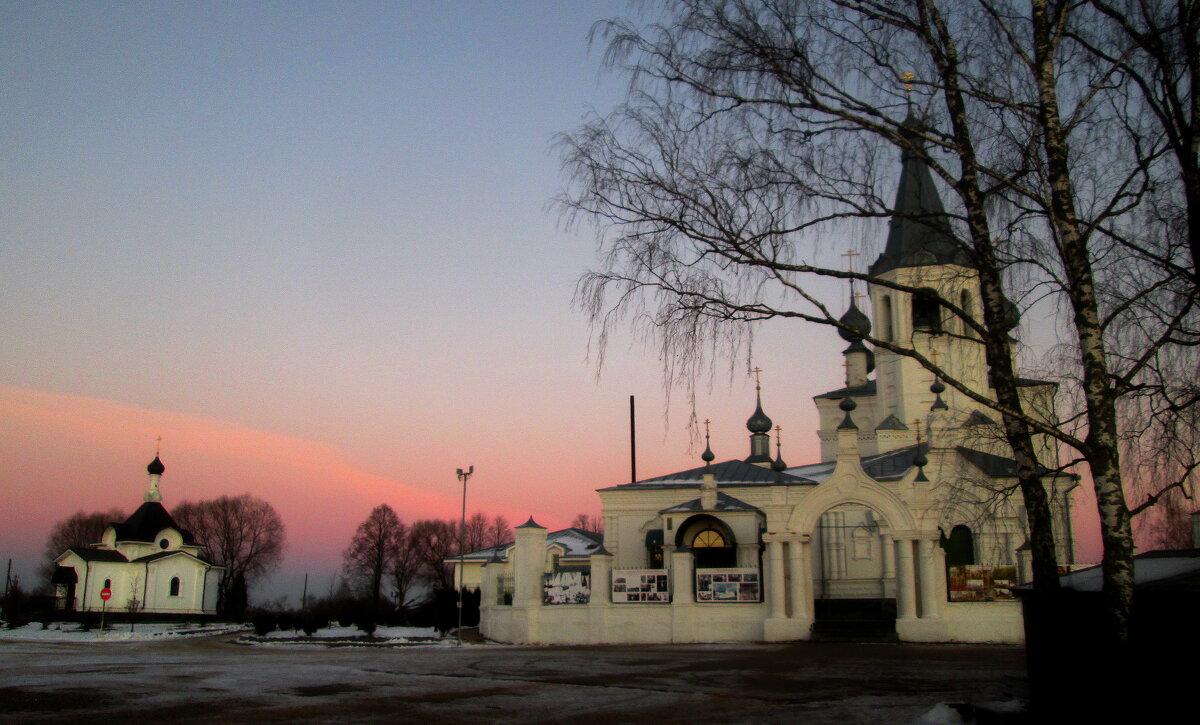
[909, 526]
[145, 564]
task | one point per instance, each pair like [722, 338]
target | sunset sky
[311, 246]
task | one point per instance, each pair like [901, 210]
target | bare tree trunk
[1101, 443]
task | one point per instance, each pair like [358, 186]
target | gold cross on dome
[917, 425]
[908, 77]
[757, 379]
[706, 423]
[157, 446]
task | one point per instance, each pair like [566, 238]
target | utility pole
[462, 530]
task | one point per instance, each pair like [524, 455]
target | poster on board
[642, 586]
[727, 585]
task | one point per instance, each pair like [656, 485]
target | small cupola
[759, 426]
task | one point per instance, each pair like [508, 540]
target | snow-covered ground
[351, 635]
[74, 632]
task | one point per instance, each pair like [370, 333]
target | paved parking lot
[213, 680]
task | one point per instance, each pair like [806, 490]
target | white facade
[911, 472]
[147, 564]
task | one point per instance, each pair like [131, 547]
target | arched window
[108, 583]
[708, 538]
[926, 313]
[960, 547]
[174, 586]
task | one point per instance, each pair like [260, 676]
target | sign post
[105, 595]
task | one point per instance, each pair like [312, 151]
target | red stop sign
[106, 594]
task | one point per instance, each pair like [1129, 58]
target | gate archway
[854, 584]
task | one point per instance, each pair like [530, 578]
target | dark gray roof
[891, 423]
[977, 418]
[579, 543]
[164, 554]
[725, 502]
[1173, 571]
[893, 464]
[530, 524]
[97, 554]
[919, 234]
[999, 466]
[145, 523]
[1031, 382]
[856, 391]
[733, 472]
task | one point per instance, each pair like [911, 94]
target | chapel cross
[157, 446]
[757, 379]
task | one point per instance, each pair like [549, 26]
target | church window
[926, 314]
[163, 543]
[174, 586]
[708, 538]
[960, 547]
[886, 314]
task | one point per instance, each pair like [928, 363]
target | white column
[682, 586]
[775, 579]
[801, 578]
[601, 579]
[906, 595]
[529, 563]
[889, 557]
[932, 579]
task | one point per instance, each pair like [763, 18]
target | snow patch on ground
[74, 632]
[351, 636]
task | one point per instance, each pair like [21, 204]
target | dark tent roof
[919, 234]
[145, 523]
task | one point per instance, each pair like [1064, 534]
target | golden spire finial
[917, 425]
[706, 423]
[908, 77]
[757, 379]
[157, 446]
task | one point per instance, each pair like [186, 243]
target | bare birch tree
[755, 131]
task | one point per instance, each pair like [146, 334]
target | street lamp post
[462, 530]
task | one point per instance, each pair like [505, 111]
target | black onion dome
[919, 460]
[778, 465]
[156, 467]
[847, 404]
[707, 456]
[938, 387]
[759, 422]
[856, 321]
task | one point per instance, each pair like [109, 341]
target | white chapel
[146, 564]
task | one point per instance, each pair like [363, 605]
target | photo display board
[567, 587]
[642, 586]
[976, 583]
[727, 585]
